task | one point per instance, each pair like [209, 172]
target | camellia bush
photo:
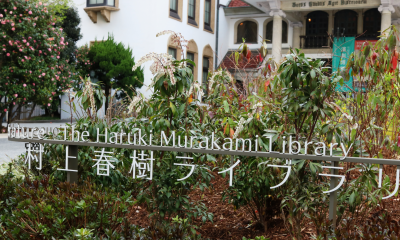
[30, 62]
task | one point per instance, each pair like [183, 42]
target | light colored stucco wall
[137, 23]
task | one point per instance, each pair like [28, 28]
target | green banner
[342, 48]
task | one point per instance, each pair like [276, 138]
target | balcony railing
[314, 41]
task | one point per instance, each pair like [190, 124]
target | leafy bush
[45, 210]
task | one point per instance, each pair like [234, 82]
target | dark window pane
[96, 1]
[284, 32]
[346, 23]
[172, 52]
[317, 23]
[206, 65]
[248, 31]
[173, 5]
[192, 9]
[269, 31]
[190, 56]
[207, 15]
[372, 23]
[100, 2]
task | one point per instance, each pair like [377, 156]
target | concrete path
[10, 150]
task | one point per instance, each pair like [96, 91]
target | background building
[216, 27]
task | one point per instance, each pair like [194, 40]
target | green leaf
[173, 108]
[211, 158]
[312, 74]
[352, 198]
[226, 106]
[329, 137]
[392, 41]
[353, 134]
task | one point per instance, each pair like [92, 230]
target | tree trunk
[33, 109]
[2, 115]
[46, 111]
[17, 114]
[107, 94]
[10, 109]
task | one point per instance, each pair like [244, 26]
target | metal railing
[73, 146]
[314, 41]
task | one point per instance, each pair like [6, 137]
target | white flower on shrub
[134, 104]
[88, 90]
[163, 65]
[163, 62]
[176, 39]
[196, 86]
[220, 73]
[254, 108]
[239, 128]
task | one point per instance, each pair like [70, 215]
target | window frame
[209, 15]
[177, 6]
[368, 25]
[342, 18]
[205, 70]
[175, 14]
[88, 4]
[175, 50]
[194, 10]
[321, 17]
[189, 64]
[191, 53]
[272, 31]
[239, 41]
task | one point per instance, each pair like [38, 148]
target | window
[173, 6]
[172, 52]
[192, 9]
[190, 56]
[94, 3]
[372, 24]
[207, 15]
[269, 31]
[192, 15]
[248, 31]
[317, 23]
[104, 7]
[173, 9]
[345, 23]
[206, 67]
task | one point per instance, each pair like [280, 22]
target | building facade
[309, 25]
[217, 27]
[136, 23]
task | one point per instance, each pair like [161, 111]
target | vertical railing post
[72, 177]
[333, 195]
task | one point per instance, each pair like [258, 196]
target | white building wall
[224, 30]
[78, 112]
[136, 25]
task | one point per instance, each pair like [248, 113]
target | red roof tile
[238, 3]
[229, 61]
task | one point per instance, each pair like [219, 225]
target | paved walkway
[10, 150]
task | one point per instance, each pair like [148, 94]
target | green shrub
[45, 211]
